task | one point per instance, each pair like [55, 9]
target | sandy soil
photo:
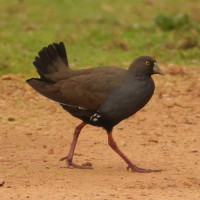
[35, 133]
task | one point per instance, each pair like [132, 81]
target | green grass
[106, 32]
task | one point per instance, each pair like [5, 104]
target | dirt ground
[36, 132]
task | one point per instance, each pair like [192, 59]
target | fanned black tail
[51, 59]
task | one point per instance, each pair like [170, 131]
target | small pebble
[89, 164]
[123, 143]
[129, 197]
[11, 119]
[188, 183]
[51, 151]
[120, 127]
[44, 159]
[152, 140]
[194, 151]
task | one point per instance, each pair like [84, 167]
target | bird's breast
[126, 100]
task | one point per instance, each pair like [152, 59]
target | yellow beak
[157, 70]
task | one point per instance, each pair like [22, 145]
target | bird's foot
[141, 170]
[72, 165]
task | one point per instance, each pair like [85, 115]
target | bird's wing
[88, 91]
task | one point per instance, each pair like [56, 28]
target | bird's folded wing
[87, 91]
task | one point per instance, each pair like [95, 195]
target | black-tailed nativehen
[99, 96]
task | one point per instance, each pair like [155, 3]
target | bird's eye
[147, 63]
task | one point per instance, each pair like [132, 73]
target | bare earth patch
[36, 132]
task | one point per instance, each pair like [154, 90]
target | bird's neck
[141, 76]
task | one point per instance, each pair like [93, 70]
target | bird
[100, 96]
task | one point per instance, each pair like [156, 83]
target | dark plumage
[101, 96]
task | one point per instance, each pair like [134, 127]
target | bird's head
[145, 65]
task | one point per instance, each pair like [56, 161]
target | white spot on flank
[95, 117]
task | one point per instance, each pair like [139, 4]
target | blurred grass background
[106, 32]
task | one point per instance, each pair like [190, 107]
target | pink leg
[69, 158]
[131, 165]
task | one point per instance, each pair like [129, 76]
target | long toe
[141, 170]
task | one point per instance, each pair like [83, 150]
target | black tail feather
[62, 51]
[51, 59]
